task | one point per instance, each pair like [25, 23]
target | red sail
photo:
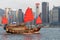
[4, 20]
[38, 20]
[28, 15]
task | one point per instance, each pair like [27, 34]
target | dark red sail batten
[38, 20]
[4, 20]
[28, 15]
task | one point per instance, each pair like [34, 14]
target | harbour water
[45, 34]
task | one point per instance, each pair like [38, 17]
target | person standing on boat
[4, 21]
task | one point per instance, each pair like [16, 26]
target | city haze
[23, 4]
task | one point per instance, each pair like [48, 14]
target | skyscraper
[56, 15]
[37, 10]
[1, 14]
[11, 16]
[20, 16]
[17, 19]
[7, 12]
[45, 12]
[0, 19]
[50, 16]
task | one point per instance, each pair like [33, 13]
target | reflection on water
[4, 37]
[20, 37]
[45, 34]
[32, 37]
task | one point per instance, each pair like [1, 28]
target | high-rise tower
[37, 10]
[45, 12]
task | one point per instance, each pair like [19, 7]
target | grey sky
[23, 4]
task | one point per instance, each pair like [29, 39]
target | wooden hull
[21, 30]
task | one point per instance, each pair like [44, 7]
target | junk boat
[22, 28]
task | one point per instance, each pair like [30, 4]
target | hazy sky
[23, 4]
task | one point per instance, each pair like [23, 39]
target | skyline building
[0, 19]
[50, 16]
[45, 12]
[6, 11]
[13, 13]
[11, 16]
[17, 19]
[2, 12]
[20, 16]
[37, 10]
[55, 15]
